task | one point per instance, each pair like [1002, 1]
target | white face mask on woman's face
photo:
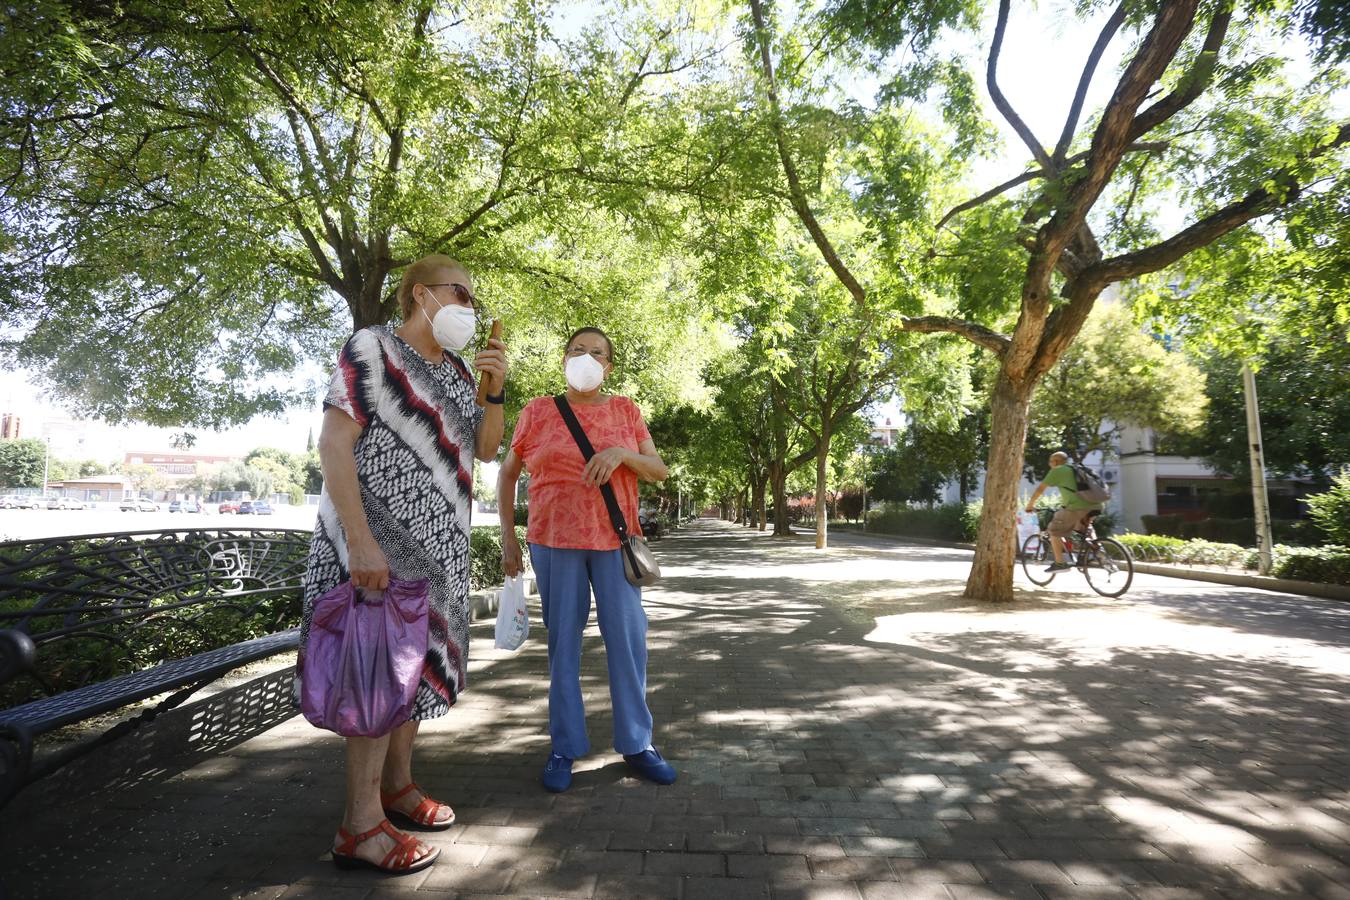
[584, 373]
[453, 326]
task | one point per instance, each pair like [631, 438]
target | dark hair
[590, 330]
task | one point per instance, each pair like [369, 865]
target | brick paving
[845, 727]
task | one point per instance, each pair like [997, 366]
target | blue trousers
[565, 579]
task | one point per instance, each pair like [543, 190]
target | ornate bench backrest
[99, 605]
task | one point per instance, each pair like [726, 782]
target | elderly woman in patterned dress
[400, 432]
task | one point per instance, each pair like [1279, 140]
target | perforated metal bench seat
[50, 713]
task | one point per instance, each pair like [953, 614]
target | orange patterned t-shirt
[564, 510]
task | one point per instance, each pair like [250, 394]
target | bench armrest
[17, 653]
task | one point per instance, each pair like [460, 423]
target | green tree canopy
[199, 198]
[1112, 376]
[21, 462]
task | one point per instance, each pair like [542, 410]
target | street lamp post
[46, 463]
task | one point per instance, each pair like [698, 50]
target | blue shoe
[557, 773]
[651, 766]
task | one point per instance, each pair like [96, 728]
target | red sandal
[423, 816]
[402, 860]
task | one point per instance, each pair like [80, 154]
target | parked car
[13, 501]
[191, 506]
[228, 506]
[245, 508]
[262, 508]
[138, 504]
[65, 503]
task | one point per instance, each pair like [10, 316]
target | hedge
[950, 522]
[1165, 549]
[1234, 531]
[485, 556]
[1329, 565]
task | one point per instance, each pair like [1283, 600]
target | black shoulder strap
[587, 451]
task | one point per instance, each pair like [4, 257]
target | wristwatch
[498, 399]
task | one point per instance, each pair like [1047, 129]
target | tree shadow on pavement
[842, 723]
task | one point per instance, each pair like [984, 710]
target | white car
[65, 503]
[138, 504]
[12, 501]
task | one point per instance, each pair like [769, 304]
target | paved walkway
[845, 727]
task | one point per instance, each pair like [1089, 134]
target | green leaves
[1114, 375]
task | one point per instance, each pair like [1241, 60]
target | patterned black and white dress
[414, 463]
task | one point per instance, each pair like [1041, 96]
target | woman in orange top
[574, 549]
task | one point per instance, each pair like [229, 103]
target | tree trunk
[757, 503]
[991, 573]
[822, 474]
[778, 480]
[762, 505]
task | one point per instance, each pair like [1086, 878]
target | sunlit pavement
[845, 726]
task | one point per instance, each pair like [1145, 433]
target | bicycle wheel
[1109, 567]
[1036, 555]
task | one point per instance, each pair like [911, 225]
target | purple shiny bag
[364, 658]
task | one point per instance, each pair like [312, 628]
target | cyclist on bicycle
[1074, 515]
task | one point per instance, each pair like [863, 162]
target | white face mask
[584, 373]
[453, 326]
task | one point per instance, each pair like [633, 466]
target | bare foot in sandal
[411, 806]
[383, 848]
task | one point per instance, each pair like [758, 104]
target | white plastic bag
[1028, 524]
[513, 616]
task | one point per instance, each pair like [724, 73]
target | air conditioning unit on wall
[1109, 476]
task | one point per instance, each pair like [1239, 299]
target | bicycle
[1107, 564]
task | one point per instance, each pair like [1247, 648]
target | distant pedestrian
[400, 432]
[574, 549]
[1073, 516]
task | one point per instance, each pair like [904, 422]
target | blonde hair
[424, 271]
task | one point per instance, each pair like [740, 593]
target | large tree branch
[1032, 175]
[1193, 83]
[1113, 134]
[1205, 231]
[1170, 26]
[799, 203]
[1001, 102]
[1085, 81]
[971, 331]
[397, 130]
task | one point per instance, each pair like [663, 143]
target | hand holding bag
[513, 616]
[639, 563]
[364, 658]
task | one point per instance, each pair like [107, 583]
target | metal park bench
[91, 624]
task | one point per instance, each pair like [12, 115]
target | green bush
[1234, 531]
[970, 520]
[485, 556]
[1152, 547]
[1331, 511]
[1166, 549]
[1328, 565]
[1302, 532]
[950, 522]
[1225, 531]
[1164, 525]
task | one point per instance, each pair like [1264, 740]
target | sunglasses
[463, 296]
